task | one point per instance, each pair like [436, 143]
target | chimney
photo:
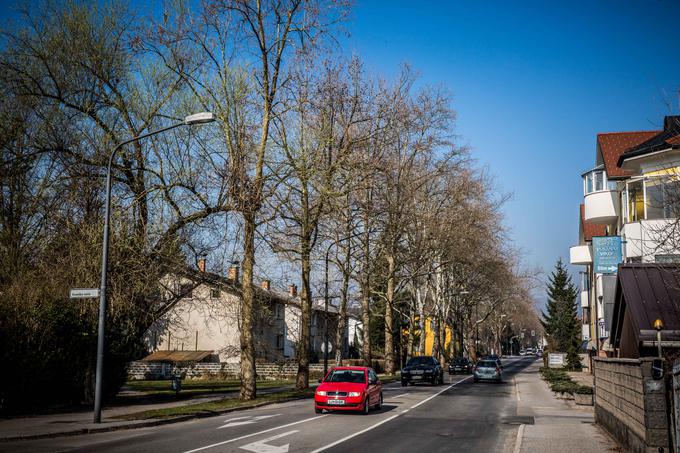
[233, 271]
[201, 264]
[292, 290]
[265, 285]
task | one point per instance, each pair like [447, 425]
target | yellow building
[430, 337]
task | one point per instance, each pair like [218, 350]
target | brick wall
[156, 370]
[630, 404]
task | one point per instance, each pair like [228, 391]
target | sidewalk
[558, 425]
[74, 423]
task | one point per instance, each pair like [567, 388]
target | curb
[147, 423]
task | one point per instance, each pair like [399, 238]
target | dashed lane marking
[318, 417]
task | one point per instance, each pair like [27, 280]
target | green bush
[584, 390]
[564, 387]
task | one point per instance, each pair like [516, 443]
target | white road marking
[261, 446]
[318, 417]
[239, 421]
[344, 439]
[518, 440]
[516, 389]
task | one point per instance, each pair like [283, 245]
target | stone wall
[224, 370]
[630, 404]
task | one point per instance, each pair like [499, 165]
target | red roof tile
[590, 229]
[613, 144]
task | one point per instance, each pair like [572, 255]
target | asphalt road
[456, 416]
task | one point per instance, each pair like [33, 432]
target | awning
[646, 292]
[177, 356]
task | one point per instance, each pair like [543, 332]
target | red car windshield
[356, 376]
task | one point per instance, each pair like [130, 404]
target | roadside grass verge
[196, 387]
[217, 407]
[560, 382]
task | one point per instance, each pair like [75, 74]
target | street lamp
[198, 118]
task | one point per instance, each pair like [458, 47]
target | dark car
[495, 358]
[422, 369]
[460, 365]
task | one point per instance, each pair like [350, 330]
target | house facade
[207, 318]
[628, 215]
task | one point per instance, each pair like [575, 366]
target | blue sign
[606, 254]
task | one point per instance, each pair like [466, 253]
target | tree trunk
[248, 373]
[342, 317]
[302, 380]
[389, 328]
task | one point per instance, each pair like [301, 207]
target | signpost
[606, 254]
[84, 293]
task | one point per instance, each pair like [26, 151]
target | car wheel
[476, 380]
[367, 407]
[404, 383]
[317, 410]
[380, 402]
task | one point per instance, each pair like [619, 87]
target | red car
[349, 388]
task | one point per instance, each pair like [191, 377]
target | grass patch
[215, 407]
[200, 386]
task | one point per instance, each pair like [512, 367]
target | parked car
[487, 370]
[422, 369]
[349, 388]
[460, 365]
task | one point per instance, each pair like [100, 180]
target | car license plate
[336, 402]
[417, 372]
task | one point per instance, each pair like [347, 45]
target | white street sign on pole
[84, 293]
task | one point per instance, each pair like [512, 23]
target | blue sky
[533, 83]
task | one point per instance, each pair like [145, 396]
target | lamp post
[198, 118]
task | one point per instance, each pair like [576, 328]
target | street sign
[323, 347]
[533, 333]
[606, 254]
[84, 293]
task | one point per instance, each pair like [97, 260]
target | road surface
[457, 416]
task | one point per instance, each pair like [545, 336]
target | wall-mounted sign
[606, 254]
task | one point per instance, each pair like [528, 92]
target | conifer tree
[560, 321]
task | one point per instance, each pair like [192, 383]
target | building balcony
[601, 207]
[647, 241]
[580, 254]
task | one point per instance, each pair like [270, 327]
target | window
[596, 181]
[667, 258]
[635, 201]
[599, 180]
[279, 341]
[215, 293]
[662, 198]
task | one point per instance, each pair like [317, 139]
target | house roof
[669, 137]
[612, 145]
[177, 356]
[590, 229]
[647, 291]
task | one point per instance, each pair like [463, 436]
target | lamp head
[658, 324]
[199, 118]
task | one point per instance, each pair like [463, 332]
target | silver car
[487, 370]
